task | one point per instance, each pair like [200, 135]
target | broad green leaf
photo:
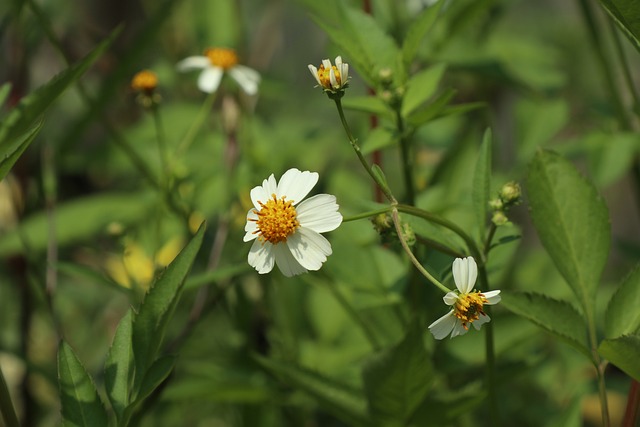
[81, 405]
[624, 352]
[432, 110]
[557, 317]
[421, 87]
[118, 369]
[398, 379]
[367, 104]
[623, 312]
[157, 309]
[572, 221]
[626, 14]
[611, 155]
[538, 121]
[419, 27]
[77, 220]
[481, 184]
[156, 374]
[343, 401]
[23, 142]
[379, 138]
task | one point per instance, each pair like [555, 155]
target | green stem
[6, 405]
[367, 214]
[625, 66]
[378, 180]
[490, 235]
[162, 144]
[602, 389]
[412, 257]
[407, 159]
[206, 107]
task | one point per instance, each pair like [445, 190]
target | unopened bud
[511, 193]
[499, 218]
[496, 204]
[382, 223]
[386, 76]
[408, 234]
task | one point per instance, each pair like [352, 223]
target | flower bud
[511, 193]
[499, 218]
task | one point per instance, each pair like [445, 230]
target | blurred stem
[197, 123]
[632, 411]
[162, 145]
[6, 405]
[407, 159]
[625, 66]
[367, 214]
[412, 257]
[487, 244]
[378, 180]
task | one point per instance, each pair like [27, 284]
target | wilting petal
[493, 297]
[443, 326]
[450, 298]
[482, 319]
[458, 329]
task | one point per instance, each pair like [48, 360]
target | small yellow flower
[144, 81]
[332, 79]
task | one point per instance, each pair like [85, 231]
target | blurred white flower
[285, 229]
[332, 78]
[467, 305]
[216, 62]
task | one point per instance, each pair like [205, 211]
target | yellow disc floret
[144, 81]
[222, 57]
[324, 74]
[468, 307]
[277, 220]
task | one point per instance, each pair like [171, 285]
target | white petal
[465, 272]
[193, 63]
[251, 226]
[314, 71]
[246, 77]
[450, 298]
[309, 248]
[261, 257]
[344, 73]
[482, 319]
[209, 79]
[296, 185]
[332, 79]
[492, 297]
[458, 329]
[286, 262]
[263, 192]
[319, 213]
[326, 63]
[338, 61]
[443, 326]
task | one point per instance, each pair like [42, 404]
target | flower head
[145, 83]
[285, 229]
[214, 63]
[467, 303]
[333, 79]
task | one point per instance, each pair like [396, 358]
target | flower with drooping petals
[214, 63]
[333, 79]
[285, 229]
[467, 305]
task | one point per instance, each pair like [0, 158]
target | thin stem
[490, 236]
[407, 159]
[602, 389]
[368, 214]
[632, 412]
[162, 144]
[412, 257]
[625, 66]
[6, 405]
[206, 107]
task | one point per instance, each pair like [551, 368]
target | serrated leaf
[418, 28]
[118, 368]
[81, 405]
[397, 380]
[624, 352]
[572, 221]
[156, 311]
[482, 184]
[626, 15]
[557, 317]
[623, 313]
[343, 401]
[421, 87]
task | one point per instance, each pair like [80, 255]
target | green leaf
[344, 402]
[557, 317]
[432, 110]
[367, 104]
[157, 309]
[379, 138]
[623, 314]
[81, 405]
[118, 369]
[624, 352]
[420, 87]
[398, 379]
[22, 143]
[626, 15]
[156, 374]
[481, 184]
[572, 221]
[5, 90]
[76, 220]
[418, 28]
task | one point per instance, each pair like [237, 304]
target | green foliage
[420, 87]
[622, 316]
[482, 184]
[418, 29]
[623, 352]
[626, 15]
[118, 368]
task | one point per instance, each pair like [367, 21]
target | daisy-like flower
[214, 63]
[467, 305]
[285, 229]
[331, 78]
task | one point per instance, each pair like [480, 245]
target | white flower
[285, 229]
[467, 305]
[216, 62]
[332, 78]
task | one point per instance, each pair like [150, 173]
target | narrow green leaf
[379, 138]
[418, 28]
[557, 317]
[5, 90]
[23, 142]
[626, 15]
[624, 352]
[623, 311]
[118, 369]
[482, 184]
[421, 87]
[156, 374]
[367, 104]
[432, 110]
[572, 221]
[343, 401]
[81, 405]
[397, 380]
[157, 309]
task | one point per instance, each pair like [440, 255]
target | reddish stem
[633, 405]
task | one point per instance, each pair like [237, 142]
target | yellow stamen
[144, 81]
[468, 307]
[222, 57]
[277, 220]
[324, 74]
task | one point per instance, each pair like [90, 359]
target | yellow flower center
[222, 57]
[144, 81]
[468, 307]
[277, 220]
[324, 74]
